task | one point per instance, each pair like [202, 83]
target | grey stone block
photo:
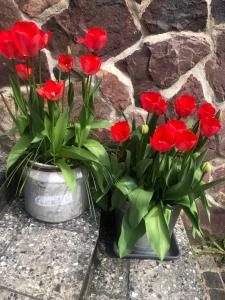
[213, 280]
[217, 294]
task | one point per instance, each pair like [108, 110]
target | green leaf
[129, 236]
[70, 95]
[18, 150]
[60, 131]
[78, 154]
[22, 123]
[47, 128]
[142, 166]
[199, 189]
[101, 124]
[98, 150]
[139, 200]
[68, 174]
[183, 187]
[118, 199]
[126, 185]
[205, 204]
[157, 231]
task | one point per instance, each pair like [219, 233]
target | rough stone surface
[114, 91]
[33, 8]
[175, 15]
[9, 14]
[160, 65]
[136, 66]
[146, 279]
[217, 294]
[218, 11]
[43, 260]
[82, 14]
[215, 68]
[212, 280]
[174, 57]
[10, 295]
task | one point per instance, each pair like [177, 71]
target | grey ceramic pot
[47, 197]
[142, 248]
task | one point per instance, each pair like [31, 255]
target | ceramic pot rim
[44, 167]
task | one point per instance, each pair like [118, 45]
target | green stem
[39, 69]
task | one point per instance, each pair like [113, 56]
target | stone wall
[171, 46]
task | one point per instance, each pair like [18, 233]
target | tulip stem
[39, 68]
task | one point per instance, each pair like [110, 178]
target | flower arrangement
[158, 168]
[42, 118]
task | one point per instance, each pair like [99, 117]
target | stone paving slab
[45, 261]
[126, 279]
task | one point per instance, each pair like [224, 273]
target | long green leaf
[157, 231]
[139, 200]
[98, 150]
[126, 185]
[78, 154]
[129, 236]
[97, 124]
[18, 150]
[60, 131]
[68, 174]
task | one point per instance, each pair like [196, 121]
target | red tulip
[7, 45]
[52, 90]
[178, 126]
[185, 106]
[120, 131]
[95, 39]
[153, 102]
[206, 110]
[29, 39]
[90, 64]
[24, 71]
[65, 63]
[186, 140]
[209, 126]
[163, 138]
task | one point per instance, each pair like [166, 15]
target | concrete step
[128, 279]
[44, 261]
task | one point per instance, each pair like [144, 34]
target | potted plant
[53, 153]
[158, 170]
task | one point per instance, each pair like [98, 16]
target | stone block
[33, 8]
[218, 11]
[217, 294]
[213, 280]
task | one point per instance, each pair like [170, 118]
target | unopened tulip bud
[69, 52]
[196, 154]
[144, 129]
[206, 167]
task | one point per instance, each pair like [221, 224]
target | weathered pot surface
[48, 198]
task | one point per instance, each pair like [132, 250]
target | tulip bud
[69, 52]
[196, 155]
[206, 167]
[144, 129]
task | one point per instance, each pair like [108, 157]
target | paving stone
[44, 261]
[223, 276]
[217, 294]
[207, 262]
[10, 295]
[34, 8]
[167, 280]
[213, 280]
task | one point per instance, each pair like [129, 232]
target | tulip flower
[120, 131]
[185, 140]
[7, 46]
[185, 105]
[29, 39]
[153, 102]
[206, 110]
[95, 39]
[90, 64]
[65, 63]
[52, 90]
[177, 125]
[209, 126]
[24, 71]
[163, 138]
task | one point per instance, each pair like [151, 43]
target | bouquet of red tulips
[42, 118]
[157, 168]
